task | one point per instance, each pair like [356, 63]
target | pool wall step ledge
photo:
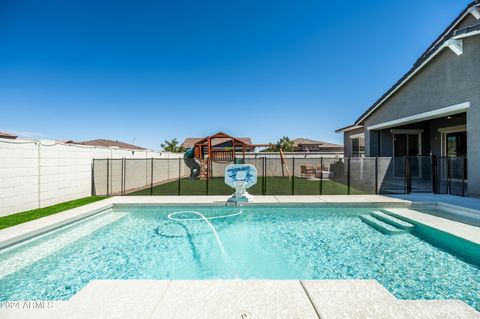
[381, 226]
[389, 219]
[465, 231]
[326, 299]
[460, 239]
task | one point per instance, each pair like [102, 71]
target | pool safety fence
[292, 176]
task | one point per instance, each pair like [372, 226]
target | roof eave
[348, 128]
[436, 46]
[411, 73]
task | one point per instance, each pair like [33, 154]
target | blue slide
[191, 162]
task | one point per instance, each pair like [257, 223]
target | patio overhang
[446, 111]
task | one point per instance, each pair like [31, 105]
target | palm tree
[285, 144]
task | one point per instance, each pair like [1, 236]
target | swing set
[223, 148]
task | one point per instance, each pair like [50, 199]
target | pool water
[263, 242]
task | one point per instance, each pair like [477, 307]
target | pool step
[394, 221]
[381, 226]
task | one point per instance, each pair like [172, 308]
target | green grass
[29, 215]
[274, 186]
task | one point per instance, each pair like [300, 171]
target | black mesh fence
[137, 176]
[278, 180]
[421, 174]
[291, 176]
[165, 176]
[257, 189]
[363, 175]
[99, 177]
[452, 176]
[392, 175]
[115, 174]
[306, 176]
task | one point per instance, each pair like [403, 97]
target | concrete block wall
[36, 174]
[136, 174]
[18, 178]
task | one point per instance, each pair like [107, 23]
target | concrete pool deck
[242, 299]
[236, 298]
[468, 202]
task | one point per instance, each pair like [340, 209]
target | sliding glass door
[407, 145]
[456, 144]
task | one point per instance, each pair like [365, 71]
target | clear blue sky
[155, 70]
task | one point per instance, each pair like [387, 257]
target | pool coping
[18, 233]
[325, 299]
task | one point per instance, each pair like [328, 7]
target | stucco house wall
[347, 141]
[447, 80]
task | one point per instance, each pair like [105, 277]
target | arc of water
[202, 217]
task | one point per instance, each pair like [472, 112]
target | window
[456, 144]
[358, 145]
[406, 145]
[454, 141]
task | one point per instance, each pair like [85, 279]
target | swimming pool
[254, 242]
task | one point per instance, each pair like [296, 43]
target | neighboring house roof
[109, 143]
[449, 33]
[191, 141]
[306, 141]
[7, 135]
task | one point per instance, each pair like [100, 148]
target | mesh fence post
[265, 175]
[376, 175]
[449, 176]
[151, 177]
[124, 175]
[464, 177]
[408, 176]
[179, 174]
[321, 175]
[108, 176]
[208, 177]
[348, 175]
[121, 181]
[293, 175]
[92, 191]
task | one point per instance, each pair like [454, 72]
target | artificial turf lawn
[274, 186]
[29, 215]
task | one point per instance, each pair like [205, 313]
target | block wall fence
[35, 174]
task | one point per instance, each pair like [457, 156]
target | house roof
[7, 135]
[437, 45]
[348, 128]
[306, 141]
[191, 141]
[109, 143]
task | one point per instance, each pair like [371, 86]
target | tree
[172, 146]
[284, 143]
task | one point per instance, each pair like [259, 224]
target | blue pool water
[261, 243]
